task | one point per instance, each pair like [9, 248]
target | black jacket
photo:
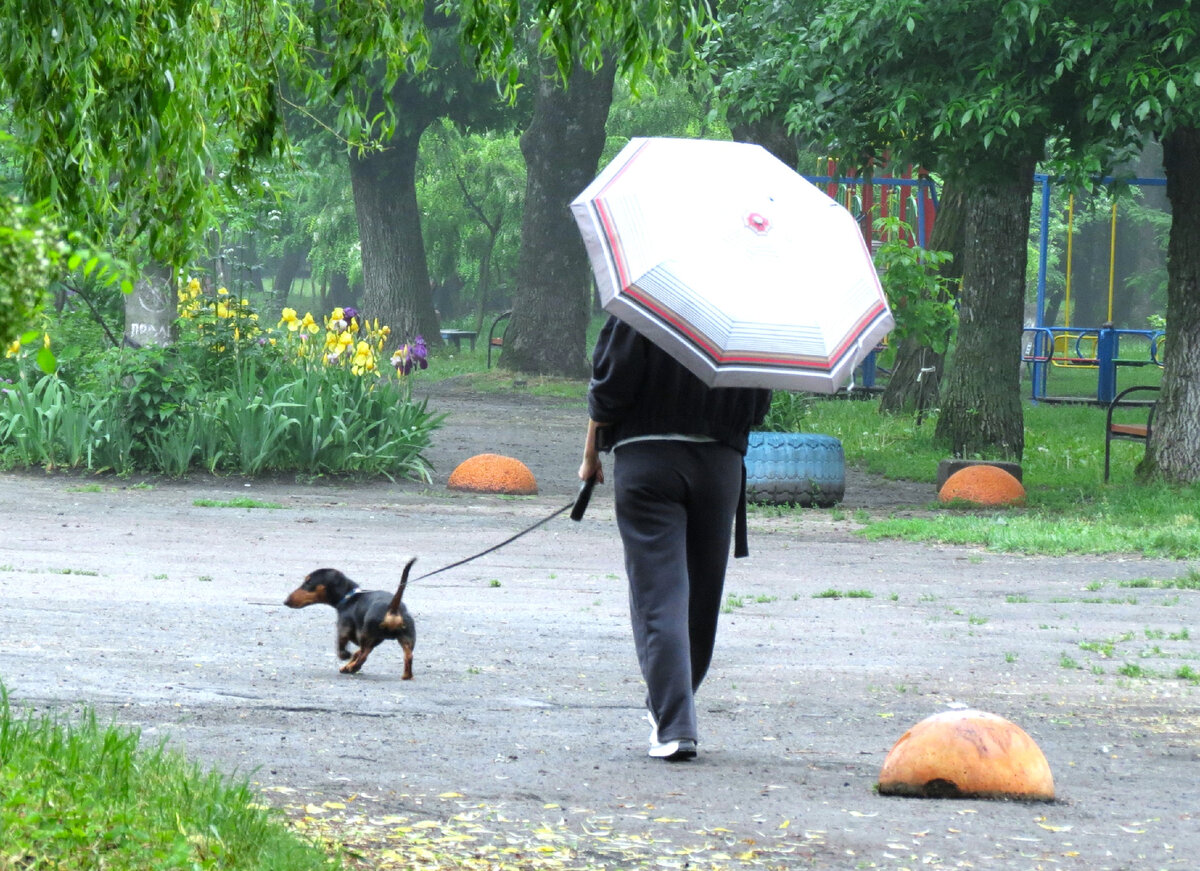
[638, 389]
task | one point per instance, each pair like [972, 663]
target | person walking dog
[680, 489]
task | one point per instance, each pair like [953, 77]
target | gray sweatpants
[675, 504]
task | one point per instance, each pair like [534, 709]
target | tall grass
[84, 796]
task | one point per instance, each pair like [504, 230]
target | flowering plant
[408, 357]
[222, 322]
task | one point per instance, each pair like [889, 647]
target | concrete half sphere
[983, 485]
[493, 473]
[967, 754]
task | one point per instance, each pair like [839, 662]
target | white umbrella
[733, 263]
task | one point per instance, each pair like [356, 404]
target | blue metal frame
[1041, 349]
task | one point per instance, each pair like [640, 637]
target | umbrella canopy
[733, 263]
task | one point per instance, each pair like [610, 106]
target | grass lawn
[82, 796]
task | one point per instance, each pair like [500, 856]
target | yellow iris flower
[364, 360]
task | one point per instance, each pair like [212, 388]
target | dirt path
[522, 727]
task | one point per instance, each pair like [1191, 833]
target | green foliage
[789, 412]
[84, 796]
[115, 107]
[150, 387]
[323, 421]
[229, 397]
[1140, 63]
[919, 297]
[477, 181]
[30, 251]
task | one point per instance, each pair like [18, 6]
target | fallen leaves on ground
[466, 835]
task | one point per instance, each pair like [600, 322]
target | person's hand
[591, 457]
[591, 466]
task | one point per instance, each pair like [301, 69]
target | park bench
[1122, 429]
[455, 338]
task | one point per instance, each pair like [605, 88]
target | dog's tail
[394, 607]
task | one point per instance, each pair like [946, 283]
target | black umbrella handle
[581, 500]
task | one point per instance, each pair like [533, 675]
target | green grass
[84, 796]
[847, 594]
[239, 502]
[471, 367]
[1068, 507]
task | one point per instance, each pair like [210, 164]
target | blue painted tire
[795, 467]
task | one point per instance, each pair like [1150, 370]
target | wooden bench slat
[1138, 430]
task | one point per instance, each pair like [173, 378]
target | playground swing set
[1072, 347]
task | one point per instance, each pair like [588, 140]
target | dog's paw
[344, 654]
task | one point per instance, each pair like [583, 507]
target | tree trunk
[485, 274]
[772, 134]
[981, 404]
[395, 274]
[562, 147]
[917, 371]
[1174, 448]
[285, 274]
[339, 290]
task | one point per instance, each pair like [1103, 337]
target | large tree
[396, 96]
[552, 300]
[946, 85]
[573, 88]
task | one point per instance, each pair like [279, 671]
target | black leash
[577, 506]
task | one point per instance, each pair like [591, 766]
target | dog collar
[346, 598]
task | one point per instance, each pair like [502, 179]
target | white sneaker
[672, 751]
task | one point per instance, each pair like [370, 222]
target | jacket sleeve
[618, 367]
[762, 405]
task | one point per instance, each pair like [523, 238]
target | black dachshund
[365, 617]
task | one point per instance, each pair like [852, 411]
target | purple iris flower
[349, 313]
[411, 356]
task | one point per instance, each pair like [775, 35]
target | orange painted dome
[492, 473]
[967, 754]
[983, 485]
